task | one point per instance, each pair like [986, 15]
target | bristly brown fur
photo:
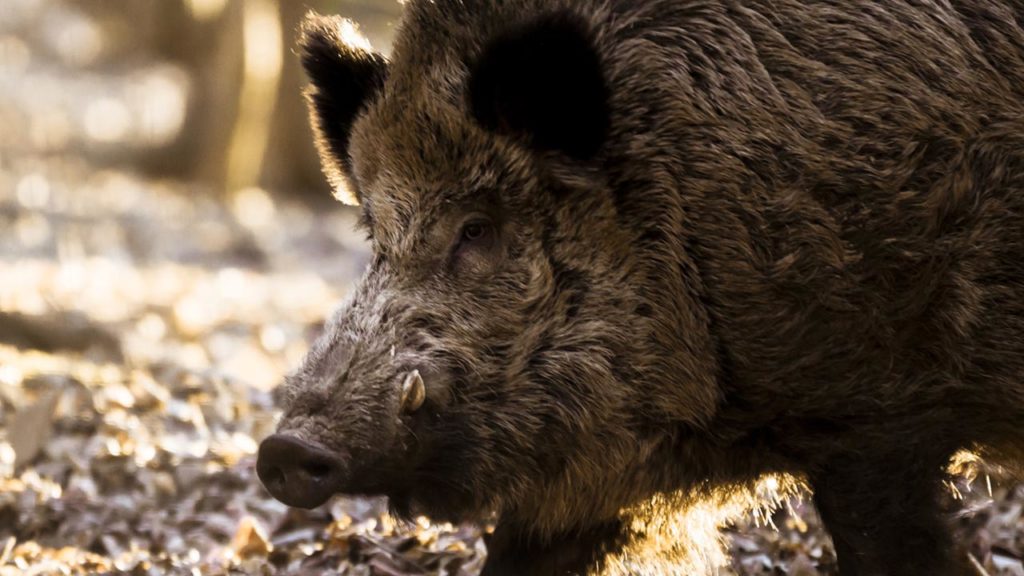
[793, 246]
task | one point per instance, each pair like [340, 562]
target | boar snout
[296, 472]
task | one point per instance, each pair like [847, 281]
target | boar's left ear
[543, 82]
[345, 77]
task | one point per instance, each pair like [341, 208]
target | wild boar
[629, 256]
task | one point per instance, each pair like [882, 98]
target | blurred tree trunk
[209, 47]
[291, 164]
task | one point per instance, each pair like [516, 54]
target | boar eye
[477, 233]
[473, 231]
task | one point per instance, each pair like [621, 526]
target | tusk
[413, 392]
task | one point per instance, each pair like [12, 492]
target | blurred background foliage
[206, 91]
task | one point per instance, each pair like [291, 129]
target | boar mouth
[299, 473]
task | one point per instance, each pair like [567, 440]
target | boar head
[499, 349]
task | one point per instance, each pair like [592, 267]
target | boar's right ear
[542, 81]
[345, 75]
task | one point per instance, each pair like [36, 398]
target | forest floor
[142, 327]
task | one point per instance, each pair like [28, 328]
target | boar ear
[345, 75]
[542, 81]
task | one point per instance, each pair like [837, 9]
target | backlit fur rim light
[327, 39]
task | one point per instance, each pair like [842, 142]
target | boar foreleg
[886, 516]
[512, 552]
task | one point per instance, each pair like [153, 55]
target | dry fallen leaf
[31, 427]
[250, 539]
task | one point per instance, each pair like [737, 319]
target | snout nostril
[273, 476]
